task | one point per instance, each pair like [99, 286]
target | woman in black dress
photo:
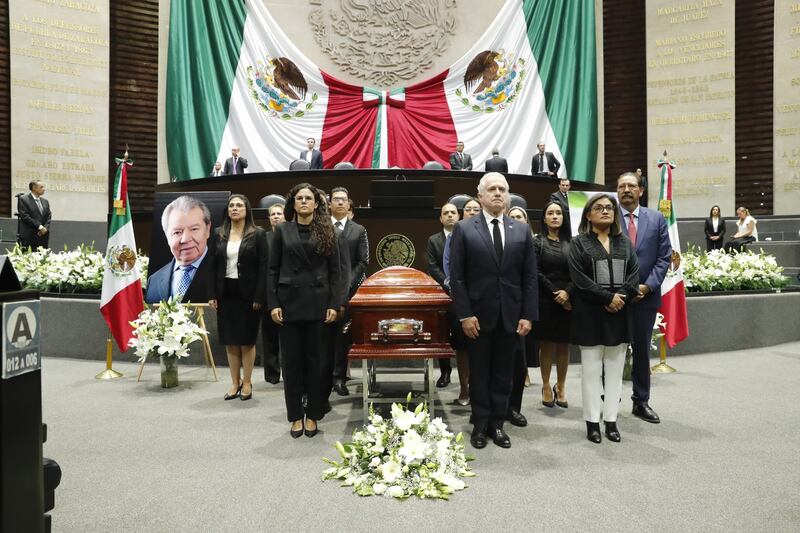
[714, 229]
[555, 306]
[605, 278]
[239, 290]
[304, 291]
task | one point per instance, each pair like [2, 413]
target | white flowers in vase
[165, 330]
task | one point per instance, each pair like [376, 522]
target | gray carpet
[139, 458]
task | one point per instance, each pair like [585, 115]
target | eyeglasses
[603, 208]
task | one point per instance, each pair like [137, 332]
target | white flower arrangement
[720, 271]
[71, 271]
[405, 455]
[167, 330]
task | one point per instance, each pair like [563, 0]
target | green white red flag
[121, 300]
[673, 290]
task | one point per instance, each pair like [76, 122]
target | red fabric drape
[423, 130]
[348, 133]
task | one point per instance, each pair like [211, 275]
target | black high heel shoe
[612, 432]
[245, 397]
[593, 432]
[234, 395]
[552, 402]
[311, 432]
[296, 433]
[563, 404]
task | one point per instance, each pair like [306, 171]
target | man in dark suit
[235, 164]
[269, 329]
[496, 163]
[459, 160]
[494, 283]
[190, 274]
[34, 215]
[217, 170]
[648, 232]
[562, 197]
[544, 163]
[448, 217]
[313, 156]
[353, 238]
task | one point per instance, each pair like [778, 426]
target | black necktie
[498, 240]
[541, 163]
[338, 227]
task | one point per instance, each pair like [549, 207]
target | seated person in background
[459, 160]
[235, 164]
[496, 163]
[186, 222]
[313, 156]
[217, 171]
[714, 229]
[746, 231]
[544, 163]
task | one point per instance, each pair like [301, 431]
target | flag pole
[663, 367]
[108, 373]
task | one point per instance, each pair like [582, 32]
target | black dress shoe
[612, 432]
[245, 397]
[311, 432]
[551, 403]
[593, 432]
[500, 438]
[516, 418]
[478, 438]
[272, 379]
[234, 395]
[645, 412]
[444, 379]
[296, 433]
[340, 388]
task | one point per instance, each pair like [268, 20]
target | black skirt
[236, 321]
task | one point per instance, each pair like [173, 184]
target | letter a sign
[21, 338]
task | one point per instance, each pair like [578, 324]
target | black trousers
[520, 371]
[643, 321]
[303, 344]
[270, 340]
[491, 369]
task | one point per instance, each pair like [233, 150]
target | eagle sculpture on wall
[288, 78]
[484, 67]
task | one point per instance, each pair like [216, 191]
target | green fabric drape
[205, 38]
[565, 53]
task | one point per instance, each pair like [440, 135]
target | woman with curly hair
[304, 292]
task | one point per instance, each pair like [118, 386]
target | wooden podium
[399, 313]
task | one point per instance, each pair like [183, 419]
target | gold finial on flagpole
[125, 157]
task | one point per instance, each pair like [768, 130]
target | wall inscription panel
[691, 101]
[59, 103]
[787, 107]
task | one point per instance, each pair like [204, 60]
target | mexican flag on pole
[673, 291]
[121, 300]
[234, 78]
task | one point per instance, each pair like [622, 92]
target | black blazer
[552, 163]
[303, 283]
[709, 228]
[251, 266]
[466, 161]
[356, 247]
[496, 164]
[316, 159]
[436, 257]
[482, 286]
[241, 164]
[30, 219]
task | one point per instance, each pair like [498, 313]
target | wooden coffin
[400, 313]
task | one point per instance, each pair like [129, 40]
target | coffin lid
[400, 285]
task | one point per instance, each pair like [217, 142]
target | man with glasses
[647, 230]
[353, 239]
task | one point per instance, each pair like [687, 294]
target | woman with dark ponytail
[304, 292]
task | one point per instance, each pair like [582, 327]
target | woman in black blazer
[714, 229]
[304, 291]
[239, 290]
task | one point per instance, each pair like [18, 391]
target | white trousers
[598, 399]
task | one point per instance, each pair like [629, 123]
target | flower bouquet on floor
[405, 455]
[165, 331]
